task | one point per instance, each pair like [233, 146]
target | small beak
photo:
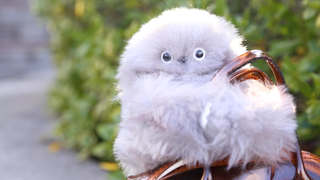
[183, 59]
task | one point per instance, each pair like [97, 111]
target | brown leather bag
[303, 165]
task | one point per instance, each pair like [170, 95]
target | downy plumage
[171, 110]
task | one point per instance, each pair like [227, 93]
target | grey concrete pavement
[24, 121]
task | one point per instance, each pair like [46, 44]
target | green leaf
[106, 131]
[281, 47]
[116, 175]
[313, 112]
[221, 8]
[308, 13]
[313, 46]
[304, 87]
[316, 80]
[104, 151]
[317, 21]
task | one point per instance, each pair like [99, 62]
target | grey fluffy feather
[173, 111]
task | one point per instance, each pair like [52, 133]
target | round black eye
[199, 54]
[166, 57]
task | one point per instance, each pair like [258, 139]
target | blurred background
[57, 76]
[28, 148]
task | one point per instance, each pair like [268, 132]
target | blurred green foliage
[88, 36]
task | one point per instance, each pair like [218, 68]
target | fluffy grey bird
[171, 110]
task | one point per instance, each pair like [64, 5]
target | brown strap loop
[252, 73]
[236, 64]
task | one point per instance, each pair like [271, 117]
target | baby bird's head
[189, 44]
